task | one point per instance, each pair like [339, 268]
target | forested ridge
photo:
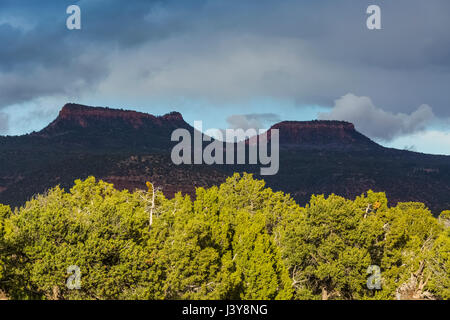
[239, 240]
[128, 148]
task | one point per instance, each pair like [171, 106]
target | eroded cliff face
[322, 134]
[79, 116]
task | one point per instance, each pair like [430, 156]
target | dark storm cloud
[310, 51]
[39, 57]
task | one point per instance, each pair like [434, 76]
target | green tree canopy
[239, 240]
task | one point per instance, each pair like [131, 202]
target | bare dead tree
[150, 202]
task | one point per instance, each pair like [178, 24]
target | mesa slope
[129, 148]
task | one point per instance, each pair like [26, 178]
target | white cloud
[376, 122]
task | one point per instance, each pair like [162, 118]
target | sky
[234, 64]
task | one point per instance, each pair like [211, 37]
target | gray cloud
[234, 51]
[307, 51]
[252, 121]
[39, 57]
[376, 122]
[4, 122]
